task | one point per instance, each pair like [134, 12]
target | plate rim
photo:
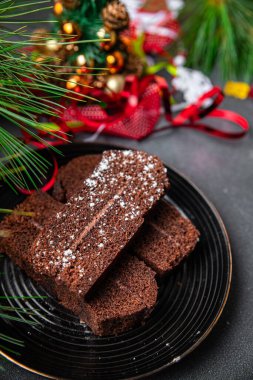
[228, 285]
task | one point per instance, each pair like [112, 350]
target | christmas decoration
[115, 83]
[105, 21]
[191, 83]
[134, 112]
[238, 90]
[129, 95]
[115, 15]
[115, 62]
[72, 29]
[156, 20]
[58, 8]
[23, 75]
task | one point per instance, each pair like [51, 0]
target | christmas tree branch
[219, 33]
[20, 79]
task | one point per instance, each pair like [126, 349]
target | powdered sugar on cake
[114, 199]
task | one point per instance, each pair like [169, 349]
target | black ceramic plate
[190, 302]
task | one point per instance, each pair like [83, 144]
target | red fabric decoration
[157, 35]
[133, 114]
[135, 111]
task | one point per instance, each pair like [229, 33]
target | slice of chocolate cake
[124, 300]
[166, 239]
[71, 175]
[84, 239]
[21, 230]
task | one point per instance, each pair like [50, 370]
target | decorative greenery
[219, 32]
[20, 82]
[106, 61]
[88, 18]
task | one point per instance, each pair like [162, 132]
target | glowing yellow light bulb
[110, 59]
[68, 28]
[101, 33]
[81, 60]
[72, 82]
[58, 8]
[52, 45]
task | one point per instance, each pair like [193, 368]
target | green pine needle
[16, 212]
[20, 81]
[219, 32]
[88, 17]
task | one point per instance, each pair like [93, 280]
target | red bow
[134, 113]
[206, 106]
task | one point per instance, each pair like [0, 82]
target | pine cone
[71, 4]
[115, 15]
[134, 64]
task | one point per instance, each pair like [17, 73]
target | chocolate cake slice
[166, 239]
[82, 241]
[71, 175]
[21, 230]
[124, 300]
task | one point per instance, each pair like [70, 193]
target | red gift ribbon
[48, 185]
[123, 107]
[189, 117]
[194, 112]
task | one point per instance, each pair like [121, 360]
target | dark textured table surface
[223, 170]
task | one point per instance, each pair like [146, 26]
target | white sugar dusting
[89, 182]
[68, 252]
[103, 165]
[127, 153]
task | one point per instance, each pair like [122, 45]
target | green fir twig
[219, 32]
[20, 81]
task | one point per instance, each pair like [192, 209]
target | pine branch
[20, 79]
[219, 32]
[88, 18]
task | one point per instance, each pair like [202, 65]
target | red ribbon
[205, 106]
[130, 100]
[48, 185]
[134, 113]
